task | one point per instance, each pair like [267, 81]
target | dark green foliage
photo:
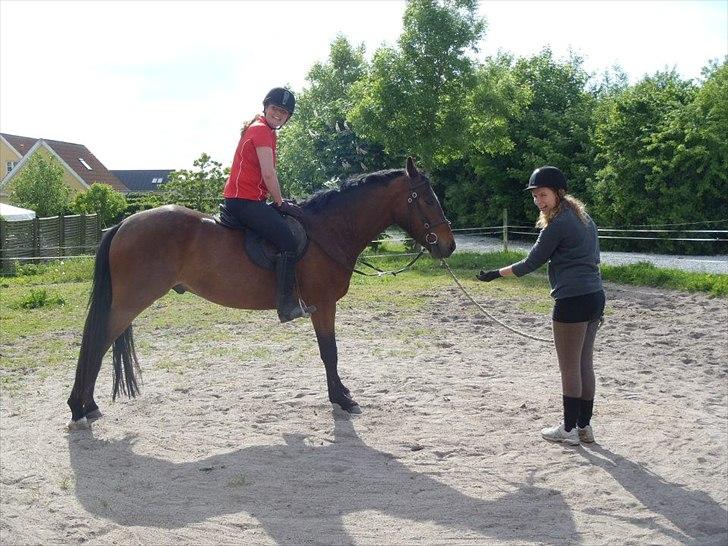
[550, 127]
[663, 154]
[102, 200]
[318, 146]
[414, 99]
[199, 189]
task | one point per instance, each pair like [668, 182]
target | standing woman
[568, 242]
[252, 178]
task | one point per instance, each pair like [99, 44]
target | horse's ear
[412, 171]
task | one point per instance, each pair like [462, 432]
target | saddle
[261, 252]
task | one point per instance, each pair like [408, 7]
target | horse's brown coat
[155, 250]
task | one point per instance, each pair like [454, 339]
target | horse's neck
[361, 224]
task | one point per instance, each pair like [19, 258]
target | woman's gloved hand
[488, 276]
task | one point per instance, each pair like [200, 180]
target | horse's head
[424, 219]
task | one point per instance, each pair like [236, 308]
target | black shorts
[580, 308]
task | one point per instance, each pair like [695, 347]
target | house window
[83, 162]
[9, 166]
[156, 181]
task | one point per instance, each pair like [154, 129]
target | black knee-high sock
[571, 412]
[586, 407]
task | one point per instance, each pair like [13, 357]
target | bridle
[415, 207]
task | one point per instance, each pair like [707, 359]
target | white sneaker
[558, 434]
[586, 434]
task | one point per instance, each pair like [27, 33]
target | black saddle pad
[260, 251]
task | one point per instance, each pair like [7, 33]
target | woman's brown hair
[248, 124]
[563, 200]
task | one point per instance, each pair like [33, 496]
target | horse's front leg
[323, 323]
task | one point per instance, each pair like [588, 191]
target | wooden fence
[47, 238]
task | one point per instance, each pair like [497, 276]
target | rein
[381, 273]
[524, 334]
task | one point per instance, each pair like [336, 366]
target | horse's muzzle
[442, 249]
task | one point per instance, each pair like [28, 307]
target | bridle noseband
[414, 205]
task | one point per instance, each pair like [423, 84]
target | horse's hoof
[81, 424]
[355, 409]
[94, 415]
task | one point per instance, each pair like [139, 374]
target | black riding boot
[289, 307]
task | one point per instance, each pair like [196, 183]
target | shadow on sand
[277, 485]
[697, 516]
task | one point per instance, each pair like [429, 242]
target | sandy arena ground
[221, 449]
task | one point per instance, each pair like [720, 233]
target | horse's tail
[125, 356]
[96, 331]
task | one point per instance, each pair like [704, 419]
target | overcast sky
[152, 85]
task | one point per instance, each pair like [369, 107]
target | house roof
[143, 180]
[21, 144]
[76, 156]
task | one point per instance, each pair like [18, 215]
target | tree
[414, 99]
[496, 103]
[535, 112]
[102, 200]
[199, 189]
[39, 186]
[636, 132]
[664, 153]
[318, 146]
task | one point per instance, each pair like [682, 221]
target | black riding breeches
[264, 220]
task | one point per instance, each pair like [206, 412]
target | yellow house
[80, 166]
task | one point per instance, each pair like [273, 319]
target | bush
[39, 298]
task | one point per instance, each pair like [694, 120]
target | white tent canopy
[14, 214]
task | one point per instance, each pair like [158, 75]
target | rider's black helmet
[546, 176]
[281, 97]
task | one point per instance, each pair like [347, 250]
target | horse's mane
[322, 198]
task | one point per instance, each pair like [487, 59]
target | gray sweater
[572, 250]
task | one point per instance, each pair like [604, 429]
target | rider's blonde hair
[563, 200]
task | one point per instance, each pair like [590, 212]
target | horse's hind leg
[82, 403]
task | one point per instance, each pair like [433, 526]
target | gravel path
[705, 264]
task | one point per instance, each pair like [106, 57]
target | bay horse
[139, 260]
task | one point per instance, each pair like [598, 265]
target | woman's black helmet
[281, 97]
[548, 177]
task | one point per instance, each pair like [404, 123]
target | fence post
[36, 237]
[2, 246]
[82, 242]
[61, 235]
[505, 230]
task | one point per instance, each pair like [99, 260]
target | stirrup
[299, 311]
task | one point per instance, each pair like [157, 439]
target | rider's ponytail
[245, 127]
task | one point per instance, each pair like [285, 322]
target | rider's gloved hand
[488, 276]
[290, 207]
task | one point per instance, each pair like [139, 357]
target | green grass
[646, 274]
[73, 270]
